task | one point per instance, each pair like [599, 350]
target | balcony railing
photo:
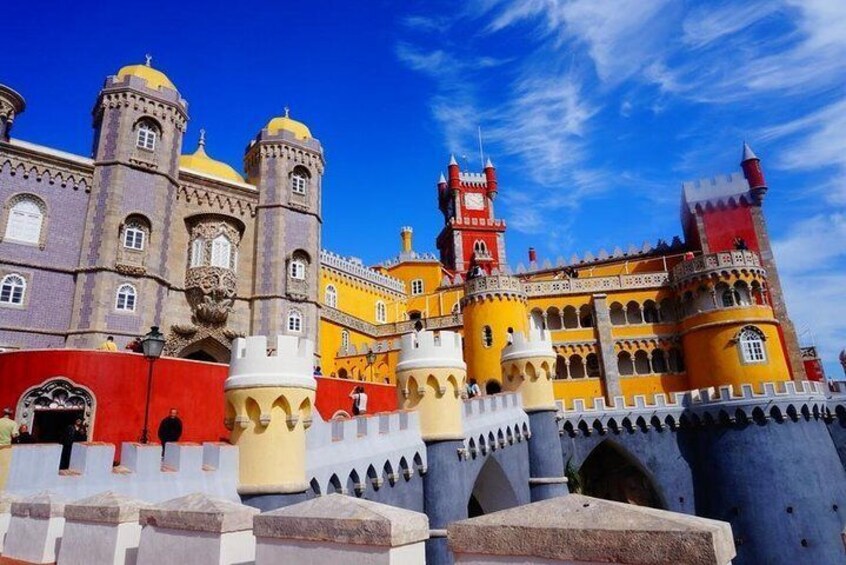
[706, 264]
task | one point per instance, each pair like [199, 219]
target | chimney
[405, 235]
[533, 256]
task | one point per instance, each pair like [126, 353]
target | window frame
[219, 244]
[299, 184]
[21, 200]
[294, 323]
[128, 305]
[139, 232]
[330, 290]
[381, 312]
[297, 269]
[417, 287]
[345, 339]
[20, 288]
[146, 136]
[751, 343]
[487, 337]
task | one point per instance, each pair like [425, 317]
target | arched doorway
[491, 492]
[50, 407]
[207, 349]
[611, 473]
[492, 387]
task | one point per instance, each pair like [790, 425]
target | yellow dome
[155, 79]
[285, 123]
[199, 161]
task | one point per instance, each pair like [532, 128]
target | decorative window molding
[296, 269]
[417, 287]
[24, 220]
[134, 236]
[126, 298]
[146, 136]
[221, 252]
[487, 336]
[345, 340]
[198, 253]
[381, 312]
[13, 290]
[298, 183]
[295, 322]
[330, 296]
[752, 346]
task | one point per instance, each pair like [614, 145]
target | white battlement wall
[288, 362]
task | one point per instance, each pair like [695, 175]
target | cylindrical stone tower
[528, 366]
[494, 310]
[269, 402]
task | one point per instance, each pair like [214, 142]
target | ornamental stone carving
[57, 394]
[211, 293]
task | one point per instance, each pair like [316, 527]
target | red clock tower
[472, 236]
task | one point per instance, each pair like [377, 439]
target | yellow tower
[730, 335]
[430, 378]
[528, 366]
[269, 400]
[494, 310]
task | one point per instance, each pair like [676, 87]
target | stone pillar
[528, 367]
[197, 529]
[581, 529]
[444, 490]
[35, 530]
[101, 529]
[341, 529]
[605, 339]
[6, 501]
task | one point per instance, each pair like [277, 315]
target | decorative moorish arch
[57, 393]
[492, 490]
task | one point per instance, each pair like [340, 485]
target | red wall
[723, 225]
[814, 369]
[119, 380]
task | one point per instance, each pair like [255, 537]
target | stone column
[197, 529]
[605, 339]
[101, 529]
[35, 530]
[341, 529]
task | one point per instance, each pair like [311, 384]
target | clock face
[474, 201]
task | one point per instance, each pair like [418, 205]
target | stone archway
[57, 395]
[492, 491]
[610, 472]
[206, 349]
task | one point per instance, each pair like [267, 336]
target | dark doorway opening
[201, 356]
[612, 474]
[474, 508]
[493, 387]
[49, 425]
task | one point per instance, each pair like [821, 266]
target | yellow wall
[568, 390]
[500, 313]
[440, 412]
[358, 298]
[649, 385]
[713, 359]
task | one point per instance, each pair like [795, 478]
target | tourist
[135, 346]
[317, 372]
[23, 436]
[740, 244]
[688, 255]
[109, 344]
[73, 433]
[473, 389]
[8, 428]
[359, 398]
[170, 428]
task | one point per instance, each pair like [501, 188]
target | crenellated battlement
[722, 189]
[492, 422]
[726, 403]
[187, 467]
[287, 362]
[538, 343]
[431, 350]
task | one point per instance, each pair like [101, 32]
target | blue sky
[594, 111]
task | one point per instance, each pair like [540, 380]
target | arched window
[480, 247]
[198, 253]
[381, 312]
[12, 290]
[577, 367]
[295, 322]
[299, 181]
[650, 312]
[296, 269]
[456, 308]
[147, 135]
[487, 336]
[633, 315]
[625, 366]
[133, 236]
[553, 318]
[345, 340]
[536, 320]
[586, 316]
[25, 220]
[331, 296]
[659, 361]
[592, 365]
[221, 252]
[125, 300]
[641, 362]
[752, 347]
[617, 314]
[571, 317]
[416, 287]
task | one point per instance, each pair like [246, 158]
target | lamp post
[371, 358]
[152, 345]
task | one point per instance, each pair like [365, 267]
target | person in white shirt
[359, 398]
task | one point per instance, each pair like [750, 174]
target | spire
[747, 153]
[452, 160]
[442, 180]
[202, 142]
[287, 112]
[489, 164]
[149, 59]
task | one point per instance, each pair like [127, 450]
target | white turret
[528, 365]
[287, 363]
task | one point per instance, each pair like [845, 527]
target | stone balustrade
[705, 265]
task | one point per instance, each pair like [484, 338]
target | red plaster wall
[722, 226]
[814, 369]
[119, 380]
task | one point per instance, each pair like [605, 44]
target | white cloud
[812, 245]
[705, 24]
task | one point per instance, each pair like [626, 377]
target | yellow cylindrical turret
[269, 400]
[730, 335]
[528, 366]
[431, 376]
[494, 309]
